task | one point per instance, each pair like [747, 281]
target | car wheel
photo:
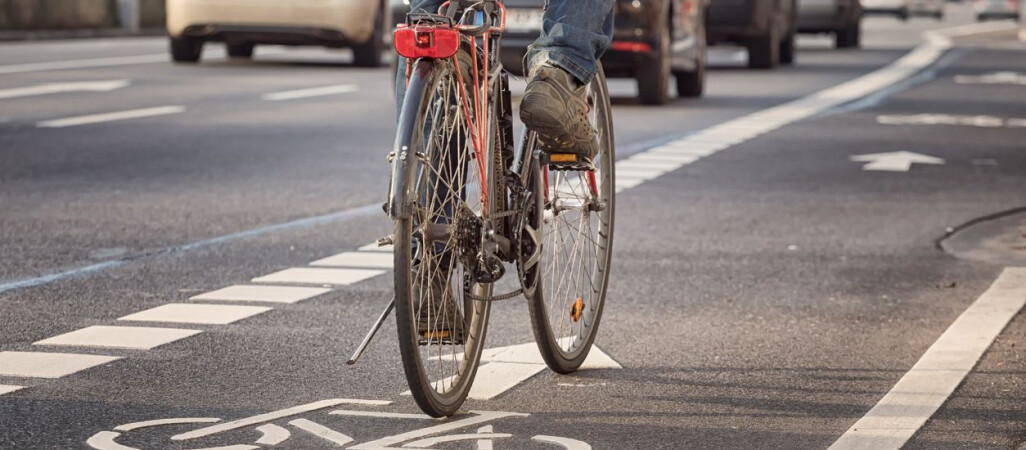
[653, 75]
[903, 15]
[242, 51]
[692, 84]
[369, 53]
[939, 15]
[186, 49]
[849, 37]
[765, 53]
[787, 50]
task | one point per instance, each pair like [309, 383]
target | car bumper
[819, 16]
[294, 21]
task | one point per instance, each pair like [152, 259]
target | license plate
[524, 19]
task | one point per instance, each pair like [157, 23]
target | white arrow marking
[504, 368]
[894, 161]
[57, 88]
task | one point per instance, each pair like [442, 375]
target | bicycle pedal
[443, 337]
[568, 162]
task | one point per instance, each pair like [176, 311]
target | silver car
[842, 18]
[997, 9]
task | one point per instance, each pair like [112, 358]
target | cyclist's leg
[575, 33]
[559, 64]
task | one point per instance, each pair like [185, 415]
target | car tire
[788, 50]
[939, 15]
[764, 53]
[241, 51]
[186, 49]
[849, 37]
[653, 74]
[369, 53]
[692, 84]
[904, 15]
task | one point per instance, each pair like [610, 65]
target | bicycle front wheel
[441, 323]
[572, 220]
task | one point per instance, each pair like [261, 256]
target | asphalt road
[765, 296]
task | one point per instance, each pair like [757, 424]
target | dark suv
[654, 41]
[766, 28]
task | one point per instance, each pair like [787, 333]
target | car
[766, 28]
[842, 18]
[243, 24]
[899, 8]
[927, 8]
[997, 9]
[654, 41]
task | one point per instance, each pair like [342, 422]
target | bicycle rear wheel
[573, 222]
[440, 324]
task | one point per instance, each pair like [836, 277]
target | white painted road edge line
[7, 389]
[313, 92]
[922, 391]
[728, 134]
[84, 63]
[111, 117]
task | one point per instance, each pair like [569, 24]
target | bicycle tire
[439, 375]
[565, 348]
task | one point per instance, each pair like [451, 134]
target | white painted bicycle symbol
[277, 427]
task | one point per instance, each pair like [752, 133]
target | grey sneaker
[556, 107]
[439, 320]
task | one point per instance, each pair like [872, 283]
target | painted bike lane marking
[932, 380]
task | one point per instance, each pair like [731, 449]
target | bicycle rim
[432, 279]
[575, 227]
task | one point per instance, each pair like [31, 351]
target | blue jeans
[575, 33]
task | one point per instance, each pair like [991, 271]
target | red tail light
[628, 46]
[426, 42]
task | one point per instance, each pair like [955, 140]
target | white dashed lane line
[7, 389]
[313, 92]
[311, 275]
[269, 294]
[48, 365]
[196, 313]
[132, 338]
[370, 260]
[111, 117]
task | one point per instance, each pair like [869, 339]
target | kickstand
[370, 335]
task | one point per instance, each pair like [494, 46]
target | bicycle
[465, 202]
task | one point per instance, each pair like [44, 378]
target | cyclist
[559, 64]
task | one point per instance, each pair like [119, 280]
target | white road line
[269, 294]
[133, 338]
[197, 314]
[367, 260]
[262, 418]
[481, 417]
[494, 378]
[48, 365]
[321, 431]
[378, 414]
[503, 368]
[309, 275]
[57, 88]
[314, 92]
[566, 443]
[373, 247]
[7, 389]
[725, 135]
[272, 434]
[922, 391]
[84, 63]
[111, 117]
[162, 422]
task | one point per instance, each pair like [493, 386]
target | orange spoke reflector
[562, 157]
[577, 310]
